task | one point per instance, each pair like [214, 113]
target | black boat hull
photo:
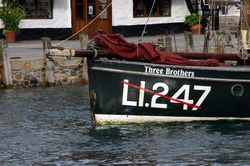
[136, 92]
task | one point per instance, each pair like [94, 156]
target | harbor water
[52, 127]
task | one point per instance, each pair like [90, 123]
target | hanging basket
[10, 37]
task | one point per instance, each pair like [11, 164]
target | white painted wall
[61, 17]
[122, 13]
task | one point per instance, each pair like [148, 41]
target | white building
[59, 19]
[45, 18]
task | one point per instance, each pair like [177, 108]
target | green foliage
[11, 14]
[192, 19]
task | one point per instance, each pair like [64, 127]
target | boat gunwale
[170, 76]
[237, 68]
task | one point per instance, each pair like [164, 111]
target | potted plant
[193, 21]
[11, 14]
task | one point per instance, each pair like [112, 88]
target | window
[224, 10]
[102, 6]
[161, 8]
[37, 9]
[79, 9]
[206, 2]
[91, 9]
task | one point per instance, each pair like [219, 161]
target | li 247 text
[181, 96]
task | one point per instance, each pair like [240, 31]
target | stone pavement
[34, 49]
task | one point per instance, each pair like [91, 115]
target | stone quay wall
[32, 72]
[18, 72]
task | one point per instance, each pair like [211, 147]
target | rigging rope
[149, 15]
[222, 37]
[244, 16]
[242, 52]
[145, 27]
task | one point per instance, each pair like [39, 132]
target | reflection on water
[52, 126]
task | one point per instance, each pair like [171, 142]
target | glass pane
[102, 6]
[91, 9]
[142, 8]
[79, 9]
[149, 6]
[30, 8]
[194, 4]
[164, 8]
[44, 9]
[37, 8]
[139, 7]
[224, 10]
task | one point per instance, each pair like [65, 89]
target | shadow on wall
[38, 33]
[156, 29]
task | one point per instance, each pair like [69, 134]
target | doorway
[85, 11]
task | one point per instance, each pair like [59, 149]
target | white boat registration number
[181, 96]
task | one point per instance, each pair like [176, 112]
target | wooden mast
[55, 51]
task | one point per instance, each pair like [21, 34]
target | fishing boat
[136, 83]
[140, 91]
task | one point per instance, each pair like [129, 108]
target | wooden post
[6, 74]
[50, 73]
[175, 44]
[186, 41]
[84, 40]
[49, 65]
[168, 43]
[189, 43]
[206, 41]
[244, 39]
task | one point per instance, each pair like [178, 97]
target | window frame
[36, 9]
[82, 6]
[145, 14]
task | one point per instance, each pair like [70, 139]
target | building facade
[59, 19]
[130, 16]
[45, 18]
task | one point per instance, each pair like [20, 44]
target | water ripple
[52, 127]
